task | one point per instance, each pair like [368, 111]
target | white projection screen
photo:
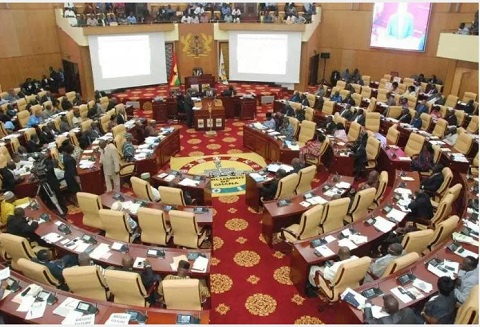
[265, 56]
[120, 61]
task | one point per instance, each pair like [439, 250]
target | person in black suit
[421, 208]
[147, 275]
[56, 266]
[346, 112]
[33, 145]
[70, 167]
[188, 107]
[8, 176]
[18, 224]
[360, 155]
[395, 316]
[349, 100]
[229, 92]
[432, 183]
[330, 125]
[451, 118]
[121, 116]
[66, 105]
[47, 135]
[359, 117]
[112, 103]
[405, 117]
[297, 164]
[267, 192]
[469, 107]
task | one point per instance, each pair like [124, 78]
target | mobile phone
[137, 316]
[370, 221]
[86, 308]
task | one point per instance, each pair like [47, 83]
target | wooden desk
[248, 108]
[267, 146]
[202, 193]
[105, 309]
[275, 217]
[200, 81]
[202, 118]
[340, 164]
[160, 266]
[389, 160]
[160, 111]
[202, 218]
[303, 256]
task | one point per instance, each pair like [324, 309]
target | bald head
[344, 253]
[390, 304]
[102, 144]
[83, 259]
[395, 249]
[127, 261]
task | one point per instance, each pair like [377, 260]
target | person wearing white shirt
[198, 11]
[236, 15]
[184, 19]
[329, 271]
[195, 20]
[463, 30]
[451, 136]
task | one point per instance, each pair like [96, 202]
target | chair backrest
[182, 294]
[23, 117]
[311, 99]
[400, 263]
[294, 122]
[286, 186]
[372, 105]
[467, 96]
[85, 124]
[16, 247]
[309, 222]
[372, 121]
[349, 275]
[141, 188]
[468, 313]
[60, 139]
[426, 121]
[69, 116]
[393, 135]
[21, 104]
[473, 125]
[382, 95]
[307, 131]
[372, 148]
[443, 210]
[83, 110]
[328, 107]
[366, 81]
[86, 281]
[153, 225]
[447, 179]
[36, 108]
[442, 231]
[36, 271]
[394, 111]
[127, 287]
[382, 186]
[333, 213]
[451, 101]
[464, 143]
[119, 130]
[29, 132]
[3, 130]
[440, 128]
[115, 225]
[362, 200]
[171, 195]
[344, 93]
[341, 84]
[305, 178]
[460, 114]
[412, 101]
[73, 138]
[118, 142]
[185, 228]
[354, 131]
[70, 96]
[455, 191]
[417, 241]
[414, 144]
[357, 98]
[90, 204]
[104, 120]
[309, 113]
[366, 92]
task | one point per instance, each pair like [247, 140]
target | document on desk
[257, 177]
[258, 125]
[34, 290]
[405, 298]
[452, 265]
[139, 262]
[464, 239]
[188, 182]
[119, 319]
[396, 215]
[100, 251]
[407, 179]
[317, 200]
[343, 185]
[358, 239]
[36, 310]
[273, 167]
[378, 312]
[81, 247]
[422, 285]
[27, 302]
[66, 307]
[440, 271]
[169, 178]
[465, 253]
[353, 298]
[4, 273]
[383, 225]
[324, 251]
[176, 260]
[200, 264]
[346, 242]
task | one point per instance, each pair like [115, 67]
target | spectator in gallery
[226, 10]
[463, 30]
[228, 18]
[92, 21]
[131, 19]
[300, 19]
[345, 76]
[204, 18]
[195, 20]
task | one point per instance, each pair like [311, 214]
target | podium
[201, 118]
[200, 81]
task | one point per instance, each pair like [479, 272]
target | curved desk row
[111, 257]
[303, 255]
[105, 309]
[348, 313]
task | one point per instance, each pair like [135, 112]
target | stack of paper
[52, 238]
[33, 291]
[346, 242]
[4, 273]
[36, 310]
[396, 215]
[67, 306]
[287, 168]
[377, 312]
[383, 225]
[317, 200]
[358, 239]
[188, 182]
[404, 297]
[86, 164]
[258, 125]
[176, 260]
[100, 251]
[466, 253]
[422, 285]
[273, 167]
[200, 264]
[343, 185]
[324, 251]
[440, 271]
[257, 177]
[169, 178]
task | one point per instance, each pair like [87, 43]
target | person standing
[188, 107]
[71, 175]
[111, 165]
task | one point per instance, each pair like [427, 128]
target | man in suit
[349, 100]
[267, 192]
[56, 266]
[111, 165]
[378, 267]
[451, 118]
[8, 176]
[330, 125]
[346, 112]
[432, 183]
[188, 107]
[422, 107]
[441, 308]
[421, 208]
[297, 165]
[209, 92]
[405, 117]
[33, 145]
[359, 117]
[18, 224]
[121, 116]
[395, 316]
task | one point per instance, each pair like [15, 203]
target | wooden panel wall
[345, 33]
[29, 42]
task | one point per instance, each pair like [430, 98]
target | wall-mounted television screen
[400, 25]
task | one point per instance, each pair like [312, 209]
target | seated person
[297, 164]
[295, 97]
[340, 131]
[55, 267]
[300, 114]
[33, 145]
[268, 191]
[8, 205]
[304, 100]
[47, 135]
[360, 155]
[422, 107]
[349, 100]
[182, 273]
[147, 275]
[329, 270]
[395, 316]
[391, 99]
[117, 206]
[288, 110]
[432, 183]
[440, 309]
[35, 119]
[421, 208]
[377, 268]
[405, 117]
[451, 136]
[112, 123]
[76, 119]
[469, 107]
[423, 162]
[372, 181]
[403, 103]
[336, 97]
[287, 129]
[229, 92]
[90, 135]
[64, 125]
[18, 224]
[150, 129]
[128, 150]
[320, 91]
[48, 112]
[435, 113]
[359, 117]
[347, 112]
[416, 121]
[330, 125]
[451, 118]
[312, 148]
[269, 121]
[394, 88]
[467, 278]
[66, 105]
[395, 236]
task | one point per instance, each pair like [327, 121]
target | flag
[174, 78]
[222, 75]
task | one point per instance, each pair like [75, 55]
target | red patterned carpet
[249, 281]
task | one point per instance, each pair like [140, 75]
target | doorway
[72, 76]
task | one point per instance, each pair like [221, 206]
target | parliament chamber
[239, 163]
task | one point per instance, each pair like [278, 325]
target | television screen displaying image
[400, 25]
